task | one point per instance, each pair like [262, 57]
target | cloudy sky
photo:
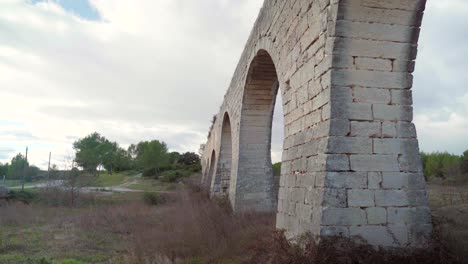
[137, 70]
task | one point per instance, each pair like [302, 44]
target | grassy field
[449, 205]
[179, 226]
[41, 232]
[109, 180]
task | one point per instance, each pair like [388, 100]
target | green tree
[54, 171]
[132, 151]
[91, 151]
[151, 156]
[3, 170]
[122, 160]
[109, 155]
[440, 165]
[17, 167]
[32, 173]
[174, 157]
[189, 158]
[464, 162]
[277, 169]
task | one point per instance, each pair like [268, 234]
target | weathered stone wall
[350, 160]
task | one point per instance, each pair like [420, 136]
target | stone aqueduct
[350, 163]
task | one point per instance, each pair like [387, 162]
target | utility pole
[48, 168]
[24, 170]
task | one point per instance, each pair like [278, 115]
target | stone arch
[257, 187]
[223, 172]
[350, 164]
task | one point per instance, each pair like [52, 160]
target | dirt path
[122, 188]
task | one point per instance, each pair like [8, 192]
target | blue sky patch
[11, 123]
[81, 8]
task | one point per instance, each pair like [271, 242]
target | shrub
[277, 169]
[22, 196]
[277, 249]
[58, 197]
[152, 198]
[195, 167]
[149, 172]
[440, 165]
[175, 175]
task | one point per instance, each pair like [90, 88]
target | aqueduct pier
[350, 163]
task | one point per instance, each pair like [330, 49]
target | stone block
[373, 64]
[391, 236]
[341, 93]
[376, 31]
[337, 162]
[314, 197]
[391, 198]
[409, 216]
[334, 197]
[307, 180]
[399, 180]
[377, 15]
[313, 118]
[349, 145]
[374, 180]
[417, 198]
[314, 147]
[371, 95]
[347, 180]
[338, 127]
[343, 216]
[417, 5]
[376, 215]
[361, 198]
[377, 79]
[387, 146]
[290, 180]
[298, 195]
[389, 130]
[365, 129]
[410, 163]
[393, 112]
[402, 65]
[304, 212]
[374, 163]
[371, 48]
[405, 130]
[352, 111]
[402, 97]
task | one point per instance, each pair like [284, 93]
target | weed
[152, 198]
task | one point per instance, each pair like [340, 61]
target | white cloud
[159, 69]
[450, 134]
[148, 69]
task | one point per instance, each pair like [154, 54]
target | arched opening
[257, 186]
[223, 174]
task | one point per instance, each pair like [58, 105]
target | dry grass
[276, 249]
[188, 228]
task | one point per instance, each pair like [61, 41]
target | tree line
[150, 157]
[19, 167]
[436, 165]
[444, 165]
